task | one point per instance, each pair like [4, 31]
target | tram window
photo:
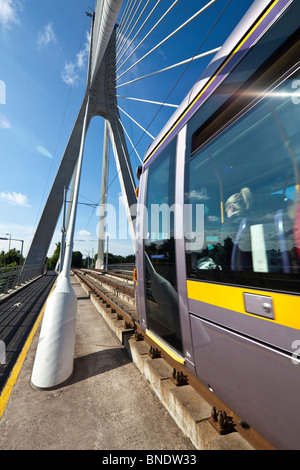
[247, 181]
[159, 246]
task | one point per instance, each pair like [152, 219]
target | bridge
[123, 394]
[108, 45]
[91, 328]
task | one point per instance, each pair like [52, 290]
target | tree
[76, 259]
[11, 258]
[79, 262]
[51, 262]
[130, 259]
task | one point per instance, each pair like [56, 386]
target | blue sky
[43, 67]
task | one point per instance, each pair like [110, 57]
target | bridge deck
[108, 404]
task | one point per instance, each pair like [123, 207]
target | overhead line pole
[100, 264]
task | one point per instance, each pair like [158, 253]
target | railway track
[115, 293]
[121, 285]
[119, 296]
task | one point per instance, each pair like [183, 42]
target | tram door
[160, 282]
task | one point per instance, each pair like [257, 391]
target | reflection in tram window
[248, 181]
[160, 267]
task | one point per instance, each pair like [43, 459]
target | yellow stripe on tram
[286, 306]
[166, 348]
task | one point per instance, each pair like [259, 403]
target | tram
[218, 226]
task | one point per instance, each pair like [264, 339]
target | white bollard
[55, 353]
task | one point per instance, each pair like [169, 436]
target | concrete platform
[107, 404]
[117, 399]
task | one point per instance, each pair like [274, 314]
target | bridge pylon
[55, 353]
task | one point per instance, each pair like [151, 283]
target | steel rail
[125, 277]
[103, 280]
[129, 319]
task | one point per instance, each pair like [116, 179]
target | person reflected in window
[238, 203]
[236, 208]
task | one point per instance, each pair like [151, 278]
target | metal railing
[13, 277]
[129, 267]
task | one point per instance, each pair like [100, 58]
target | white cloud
[4, 122]
[43, 151]
[197, 195]
[2, 92]
[17, 232]
[83, 233]
[9, 10]
[71, 72]
[14, 199]
[46, 36]
[83, 56]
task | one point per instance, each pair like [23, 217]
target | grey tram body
[234, 327]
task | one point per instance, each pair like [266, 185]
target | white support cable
[130, 17]
[120, 41]
[131, 31]
[120, 34]
[124, 16]
[139, 30]
[141, 127]
[125, 20]
[207, 35]
[151, 30]
[132, 144]
[148, 101]
[168, 37]
[199, 56]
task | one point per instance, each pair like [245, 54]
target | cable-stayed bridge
[216, 318]
[121, 56]
[121, 51]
